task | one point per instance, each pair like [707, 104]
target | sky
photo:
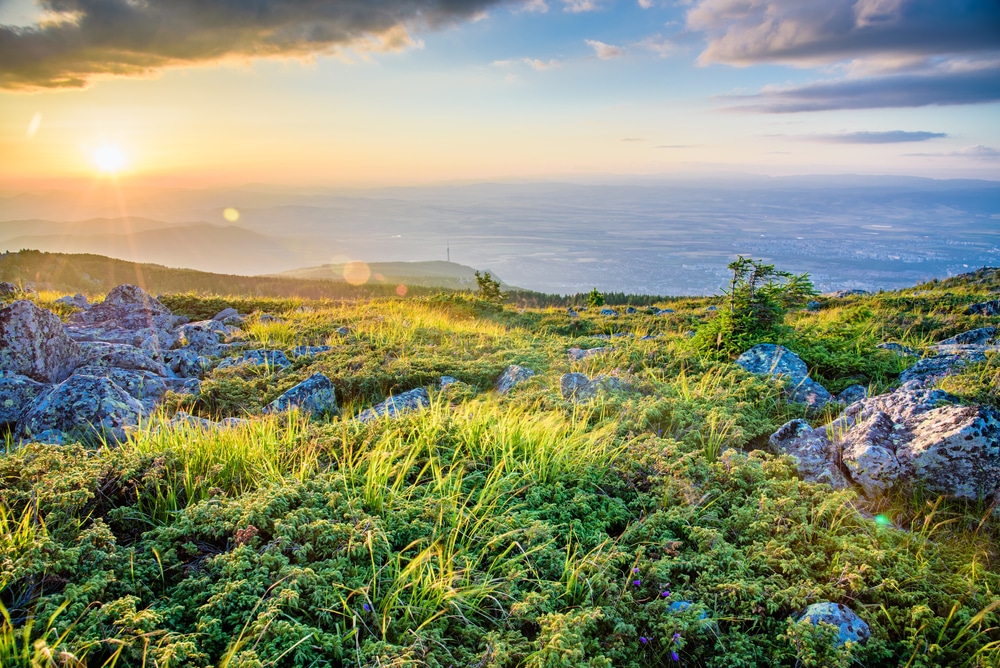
[397, 92]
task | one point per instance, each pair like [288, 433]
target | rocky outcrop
[82, 406]
[512, 376]
[951, 355]
[577, 354]
[899, 349]
[812, 450]
[269, 358]
[309, 351]
[127, 307]
[394, 406]
[984, 308]
[579, 388]
[850, 627]
[314, 396]
[17, 393]
[852, 393]
[98, 353]
[33, 343]
[768, 359]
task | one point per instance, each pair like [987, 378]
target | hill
[437, 274]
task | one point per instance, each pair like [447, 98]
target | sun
[109, 159]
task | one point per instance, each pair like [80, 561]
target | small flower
[367, 607]
[635, 570]
[673, 655]
[677, 637]
[643, 639]
[665, 594]
[637, 582]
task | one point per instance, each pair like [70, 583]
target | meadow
[648, 527]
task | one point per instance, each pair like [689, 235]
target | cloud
[631, 139]
[660, 45]
[645, 4]
[577, 6]
[887, 137]
[605, 51]
[538, 6]
[942, 87]
[746, 32]
[534, 63]
[674, 145]
[978, 152]
[85, 39]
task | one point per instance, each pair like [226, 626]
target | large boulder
[313, 396]
[34, 343]
[768, 359]
[850, 627]
[145, 386]
[579, 388]
[17, 393]
[985, 308]
[127, 307]
[394, 406]
[203, 337]
[82, 406]
[186, 363]
[814, 456]
[120, 355]
[512, 376]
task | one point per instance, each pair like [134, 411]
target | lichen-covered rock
[204, 336]
[147, 387]
[768, 359]
[270, 358]
[228, 316]
[899, 349]
[984, 308]
[577, 354]
[812, 450]
[512, 376]
[868, 454]
[76, 301]
[307, 351]
[17, 393]
[186, 363]
[393, 406]
[608, 311]
[8, 290]
[123, 356]
[852, 393]
[578, 387]
[33, 343]
[314, 396]
[82, 406]
[127, 307]
[974, 337]
[931, 369]
[851, 627]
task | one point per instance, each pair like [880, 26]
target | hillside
[436, 274]
[443, 481]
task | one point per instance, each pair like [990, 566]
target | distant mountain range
[435, 273]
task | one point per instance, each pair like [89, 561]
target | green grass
[512, 531]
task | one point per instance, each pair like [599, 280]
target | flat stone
[511, 377]
[314, 396]
[270, 358]
[394, 406]
[578, 387]
[850, 627]
[82, 406]
[577, 354]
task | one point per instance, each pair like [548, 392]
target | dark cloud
[745, 32]
[918, 90]
[888, 137]
[91, 38]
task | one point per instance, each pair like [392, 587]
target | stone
[813, 305]
[446, 381]
[850, 627]
[899, 349]
[394, 406]
[812, 451]
[8, 290]
[146, 387]
[127, 307]
[852, 393]
[203, 337]
[984, 308]
[17, 393]
[577, 354]
[629, 310]
[315, 396]
[608, 311]
[665, 311]
[76, 301]
[82, 406]
[343, 330]
[571, 313]
[711, 308]
[270, 358]
[868, 455]
[307, 351]
[578, 387]
[120, 355]
[267, 317]
[512, 376]
[975, 337]
[186, 363]
[226, 314]
[841, 294]
[33, 343]
[931, 369]
[768, 359]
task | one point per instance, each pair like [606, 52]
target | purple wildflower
[677, 637]
[635, 570]
[643, 639]
[367, 607]
[665, 594]
[673, 655]
[637, 582]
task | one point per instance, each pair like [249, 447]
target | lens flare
[401, 290]
[231, 214]
[357, 272]
[36, 122]
[109, 159]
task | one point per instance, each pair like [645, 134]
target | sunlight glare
[109, 159]
[230, 214]
[357, 272]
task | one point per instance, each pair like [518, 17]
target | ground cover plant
[648, 527]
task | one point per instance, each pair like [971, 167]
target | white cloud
[605, 51]
[577, 6]
[536, 6]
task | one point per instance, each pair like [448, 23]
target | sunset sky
[353, 92]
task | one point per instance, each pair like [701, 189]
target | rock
[841, 294]
[446, 381]
[306, 351]
[580, 388]
[186, 363]
[665, 311]
[711, 308]
[8, 290]
[767, 359]
[984, 308]
[629, 310]
[120, 355]
[17, 393]
[82, 406]
[267, 317]
[852, 393]
[577, 354]
[33, 343]
[270, 358]
[225, 314]
[899, 349]
[145, 386]
[974, 337]
[812, 450]
[127, 307]
[76, 301]
[931, 369]
[512, 376]
[813, 305]
[314, 396]
[572, 313]
[868, 456]
[343, 331]
[608, 311]
[851, 628]
[203, 337]
[393, 406]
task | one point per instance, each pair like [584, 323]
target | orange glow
[357, 272]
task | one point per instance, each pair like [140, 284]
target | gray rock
[82, 406]
[767, 359]
[76, 301]
[813, 305]
[187, 363]
[226, 314]
[8, 290]
[578, 387]
[899, 349]
[267, 317]
[271, 358]
[120, 355]
[203, 337]
[17, 393]
[572, 313]
[869, 456]
[314, 396]
[608, 311]
[127, 307]
[512, 376]
[975, 337]
[343, 330]
[446, 381]
[306, 351]
[931, 369]
[711, 308]
[148, 388]
[665, 311]
[33, 343]
[577, 354]
[812, 451]
[841, 294]
[984, 308]
[393, 406]
[629, 310]
[851, 628]
[852, 393]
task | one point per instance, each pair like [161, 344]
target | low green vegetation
[647, 528]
